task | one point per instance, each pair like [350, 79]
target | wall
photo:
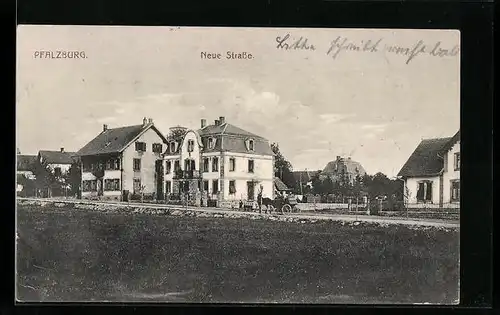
[450, 172]
[263, 174]
[412, 185]
[148, 159]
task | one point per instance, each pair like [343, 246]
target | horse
[271, 204]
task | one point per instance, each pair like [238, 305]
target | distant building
[220, 161]
[25, 166]
[58, 162]
[432, 173]
[120, 162]
[343, 167]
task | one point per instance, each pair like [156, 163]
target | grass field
[87, 256]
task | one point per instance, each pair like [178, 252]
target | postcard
[237, 165]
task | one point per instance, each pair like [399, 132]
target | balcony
[190, 174]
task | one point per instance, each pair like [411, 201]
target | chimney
[150, 121]
[104, 127]
[203, 123]
[62, 149]
[144, 121]
[217, 122]
[222, 120]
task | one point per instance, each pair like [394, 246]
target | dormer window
[190, 145]
[250, 144]
[211, 143]
[172, 147]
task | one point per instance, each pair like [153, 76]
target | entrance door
[250, 190]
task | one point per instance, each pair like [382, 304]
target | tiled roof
[230, 138]
[114, 140]
[425, 160]
[25, 162]
[280, 186]
[350, 166]
[57, 157]
[226, 129]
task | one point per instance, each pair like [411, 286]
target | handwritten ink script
[341, 45]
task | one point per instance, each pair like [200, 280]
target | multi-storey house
[123, 162]
[219, 162]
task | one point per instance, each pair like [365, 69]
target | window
[189, 165]
[215, 186]
[157, 147]
[177, 165]
[215, 164]
[89, 185]
[172, 147]
[137, 185]
[205, 165]
[137, 164]
[232, 187]
[232, 164]
[168, 167]
[211, 143]
[251, 145]
[205, 185]
[424, 192]
[455, 190]
[140, 146]
[57, 171]
[456, 162]
[112, 184]
[250, 166]
[190, 145]
[168, 187]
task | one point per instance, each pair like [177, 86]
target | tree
[74, 178]
[45, 179]
[176, 133]
[282, 167]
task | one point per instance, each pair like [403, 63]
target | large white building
[219, 162]
[432, 173]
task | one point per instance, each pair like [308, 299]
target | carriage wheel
[286, 208]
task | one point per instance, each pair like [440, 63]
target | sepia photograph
[237, 165]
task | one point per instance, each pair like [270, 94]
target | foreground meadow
[90, 256]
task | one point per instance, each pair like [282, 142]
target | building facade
[432, 174]
[123, 163]
[218, 162]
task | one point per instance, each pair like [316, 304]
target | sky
[370, 105]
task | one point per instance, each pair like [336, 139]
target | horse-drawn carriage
[282, 204]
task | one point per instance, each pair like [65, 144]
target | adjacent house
[220, 161]
[281, 188]
[342, 166]
[432, 173]
[120, 163]
[59, 162]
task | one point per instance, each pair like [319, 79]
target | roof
[114, 140]
[425, 160]
[25, 162]
[348, 165]
[57, 157]
[280, 186]
[230, 138]
[226, 129]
